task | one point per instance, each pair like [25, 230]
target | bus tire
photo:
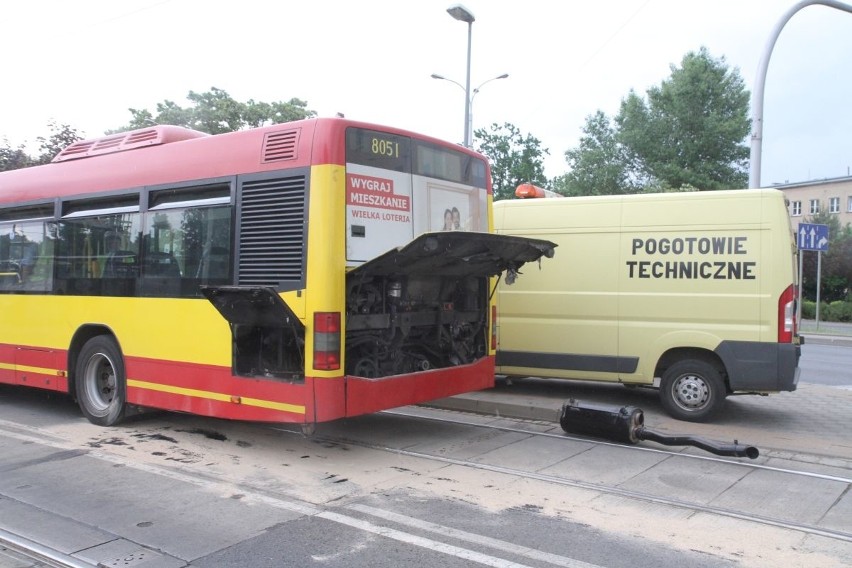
[692, 390]
[100, 382]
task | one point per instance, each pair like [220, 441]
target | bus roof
[169, 154]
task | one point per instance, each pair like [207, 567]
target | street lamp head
[476, 90]
[436, 76]
[461, 13]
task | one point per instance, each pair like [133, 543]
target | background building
[808, 198]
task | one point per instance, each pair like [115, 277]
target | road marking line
[212, 484]
[420, 541]
[450, 532]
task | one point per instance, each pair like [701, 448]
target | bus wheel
[692, 390]
[100, 382]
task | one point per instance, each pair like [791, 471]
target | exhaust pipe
[626, 424]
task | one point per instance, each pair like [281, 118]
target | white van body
[690, 292]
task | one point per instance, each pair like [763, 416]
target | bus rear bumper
[364, 395]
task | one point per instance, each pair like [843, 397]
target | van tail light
[327, 341]
[493, 328]
[787, 324]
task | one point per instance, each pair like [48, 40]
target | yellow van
[693, 293]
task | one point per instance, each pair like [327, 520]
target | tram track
[609, 489]
[25, 550]
[456, 441]
[636, 448]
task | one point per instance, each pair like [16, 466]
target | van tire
[100, 382]
[692, 390]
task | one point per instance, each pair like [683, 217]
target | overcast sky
[84, 63]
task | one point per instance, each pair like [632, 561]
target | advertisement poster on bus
[378, 211]
[387, 209]
[451, 209]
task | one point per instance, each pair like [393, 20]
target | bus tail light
[494, 328]
[787, 315]
[327, 341]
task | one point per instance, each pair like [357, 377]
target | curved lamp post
[468, 107]
[760, 83]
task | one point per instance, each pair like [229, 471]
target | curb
[504, 409]
[818, 339]
[40, 552]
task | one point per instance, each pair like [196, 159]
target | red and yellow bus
[300, 273]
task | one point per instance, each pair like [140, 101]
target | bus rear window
[392, 152]
[436, 162]
[378, 149]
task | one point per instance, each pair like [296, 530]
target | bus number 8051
[385, 148]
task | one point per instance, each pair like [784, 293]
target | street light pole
[469, 104]
[470, 108]
[760, 85]
[462, 14]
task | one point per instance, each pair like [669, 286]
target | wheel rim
[691, 392]
[100, 383]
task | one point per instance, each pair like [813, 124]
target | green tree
[690, 133]
[61, 136]
[13, 158]
[600, 165]
[515, 158]
[215, 112]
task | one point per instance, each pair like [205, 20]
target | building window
[849, 204]
[814, 206]
[796, 208]
[834, 205]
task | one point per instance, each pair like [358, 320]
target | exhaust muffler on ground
[626, 424]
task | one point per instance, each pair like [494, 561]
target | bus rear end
[400, 266]
[419, 316]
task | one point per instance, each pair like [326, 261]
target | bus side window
[10, 275]
[185, 247]
[41, 277]
[10, 267]
[214, 265]
[217, 262]
[26, 257]
[98, 256]
[161, 265]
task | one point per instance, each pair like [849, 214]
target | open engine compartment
[425, 305]
[401, 325]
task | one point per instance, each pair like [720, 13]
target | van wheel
[692, 390]
[100, 382]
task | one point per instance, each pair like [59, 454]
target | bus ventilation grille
[281, 145]
[272, 226]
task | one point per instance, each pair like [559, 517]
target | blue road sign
[812, 237]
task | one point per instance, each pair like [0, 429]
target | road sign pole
[812, 236]
[819, 280]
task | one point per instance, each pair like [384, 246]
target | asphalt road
[164, 491]
[170, 490]
[826, 365]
